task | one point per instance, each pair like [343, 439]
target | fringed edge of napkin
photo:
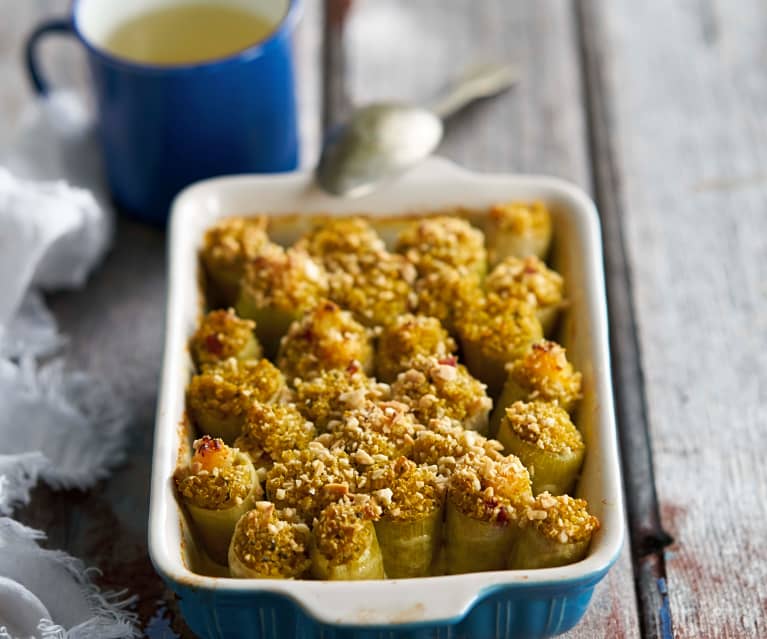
[111, 615]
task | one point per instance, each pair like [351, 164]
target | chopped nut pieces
[406, 490]
[269, 543]
[326, 338]
[407, 337]
[274, 429]
[221, 335]
[342, 531]
[544, 425]
[545, 374]
[216, 478]
[528, 279]
[562, 518]
[493, 490]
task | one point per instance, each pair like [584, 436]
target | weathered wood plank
[405, 50]
[687, 97]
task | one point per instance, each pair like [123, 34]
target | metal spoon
[385, 139]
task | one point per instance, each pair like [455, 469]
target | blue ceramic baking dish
[503, 604]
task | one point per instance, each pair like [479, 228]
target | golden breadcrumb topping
[232, 386]
[409, 336]
[327, 337]
[272, 543]
[441, 387]
[273, 429]
[527, 279]
[562, 518]
[328, 396]
[343, 530]
[232, 242]
[216, 478]
[287, 280]
[446, 293]
[501, 329]
[520, 217]
[443, 240]
[373, 433]
[335, 238]
[405, 490]
[545, 425]
[546, 373]
[375, 286]
[494, 490]
[221, 335]
[310, 479]
[444, 441]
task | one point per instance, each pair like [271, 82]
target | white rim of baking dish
[393, 601]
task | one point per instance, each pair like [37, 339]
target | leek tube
[269, 544]
[227, 247]
[410, 547]
[278, 288]
[345, 544]
[409, 530]
[518, 229]
[219, 487]
[475, 545]
[485, 500]
[558, 533]
[546, 441]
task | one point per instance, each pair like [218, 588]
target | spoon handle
[477, 82]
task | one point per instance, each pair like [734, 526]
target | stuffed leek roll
[556, 531]
[219, 486]
[221, 335]
[345, 544]
[270, 544]
[546, 441]
[410, 528]
[486, 498]
[518, 229]
[220, 397]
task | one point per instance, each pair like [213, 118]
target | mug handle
[36, 77]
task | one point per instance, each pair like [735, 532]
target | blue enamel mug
[163, 127]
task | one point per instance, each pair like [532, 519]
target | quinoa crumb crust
[527, 279]
[231, 387]
[215, 480]
[232, 241]
[342, 531]
[407, 337]
[221, 335]
[502, 329]
[562, 518]
[405, 490]
[545, 425]
[271, 543]
[441, 387]
[444, 241]
[287, 280]
[492, 490]
[327, 337]
[520, 217]
[367, 412]
[545, 371]
[273, 429]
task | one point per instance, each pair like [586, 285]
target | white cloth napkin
[62, 426]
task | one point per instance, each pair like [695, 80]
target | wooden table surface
[659, 110]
